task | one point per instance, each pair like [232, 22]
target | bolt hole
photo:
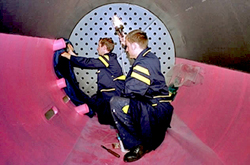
[51, 113]
[66, 99]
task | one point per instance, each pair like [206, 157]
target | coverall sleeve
[138, 82]
[88, 63]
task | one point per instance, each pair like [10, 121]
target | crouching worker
[110, 78]
[144, 113]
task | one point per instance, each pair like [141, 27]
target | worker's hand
[72, 53]
[66, 55]
[70, 50]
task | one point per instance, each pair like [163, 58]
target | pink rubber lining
[61, 83]
[28, 90]
[210, 123]
[59, 44]
[82, 109]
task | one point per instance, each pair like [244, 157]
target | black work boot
[135, 154]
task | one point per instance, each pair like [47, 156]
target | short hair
[108, 42]
[139, 37]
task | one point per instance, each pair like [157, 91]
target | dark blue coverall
[110, 82]
[144, 113]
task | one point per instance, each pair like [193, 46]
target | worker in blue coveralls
[144, 113]
[110, 78]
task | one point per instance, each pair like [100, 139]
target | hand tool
[112, 152]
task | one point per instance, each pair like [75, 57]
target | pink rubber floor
[210, 122]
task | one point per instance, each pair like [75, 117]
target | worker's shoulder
[112, 55]
[149, 58]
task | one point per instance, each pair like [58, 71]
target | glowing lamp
[118, 25]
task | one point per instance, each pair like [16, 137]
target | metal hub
[98, 24]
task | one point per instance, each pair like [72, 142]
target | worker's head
[135, 42]
[105, 45]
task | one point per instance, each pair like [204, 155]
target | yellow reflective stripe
[140, 77]
[107, 57]
[103, 61]
[107, 90]
[146, 52]
[162, 96]
[122, 77]
[141, 69]
[125, 109]
[161, 101]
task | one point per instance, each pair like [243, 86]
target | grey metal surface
[98, 24]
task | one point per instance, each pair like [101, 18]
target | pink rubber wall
[217, 112]
[28, 90]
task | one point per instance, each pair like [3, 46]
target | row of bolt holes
[110, 28]
[115, 34]
[125, 23]
[164, 43]
[125, 13]
[76, 34]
